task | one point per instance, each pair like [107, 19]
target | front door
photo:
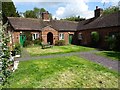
[70, 38]
[50, 38]
[22, 39]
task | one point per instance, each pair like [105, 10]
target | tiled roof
[25, 23]
[62, 25]
[37, 24]
[100, 22]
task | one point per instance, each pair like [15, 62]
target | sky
[65, 8]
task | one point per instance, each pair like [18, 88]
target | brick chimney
[45, 16]
[98, 11]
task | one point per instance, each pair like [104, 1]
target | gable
[48, 28]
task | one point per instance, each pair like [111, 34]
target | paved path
[28, 57]
[111, 64]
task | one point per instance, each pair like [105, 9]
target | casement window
[61, 36]
[80, 36]
[35, 36]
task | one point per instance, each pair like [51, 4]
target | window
[113, 34]
[80, 36]
[61, 36]
[35, 36]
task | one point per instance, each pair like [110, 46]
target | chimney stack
[98, 12]
[45, 16]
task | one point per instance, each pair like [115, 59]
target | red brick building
[48, 30]
[70, 31]
[104, 25]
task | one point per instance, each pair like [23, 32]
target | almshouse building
[72, 32]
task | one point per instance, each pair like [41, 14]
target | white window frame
[61, 36]
[35, 36]
[80, 36]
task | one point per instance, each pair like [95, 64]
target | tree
[110, 10]
[35, 13]
[17, 14]
[74, 18]
[8, 8]
[29, 14]
[42, 10]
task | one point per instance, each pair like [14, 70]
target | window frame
[61, 36]
[35, 36]
[80, 36]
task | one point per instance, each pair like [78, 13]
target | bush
[117, 43]
[60, 42]
[37, 41]
[17, 48]
[27, 43]
[28, 40]
[113, 42]
[95, 38]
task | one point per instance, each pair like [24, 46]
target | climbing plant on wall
[95, 38]
[5, 59]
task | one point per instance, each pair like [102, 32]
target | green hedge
[37, 41]
[60, 42]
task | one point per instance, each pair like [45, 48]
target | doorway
[50, 38]
[70, 38]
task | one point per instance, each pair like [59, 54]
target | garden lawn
[110, 54]
[37, 50]
[62, 72]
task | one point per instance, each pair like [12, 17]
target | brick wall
[46, 16]
[66, 36]
[46, 30]
[103, 32]
[16, 35]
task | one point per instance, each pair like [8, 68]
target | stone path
[111, 64]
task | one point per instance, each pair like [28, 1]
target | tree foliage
[110, 10]
[8, 8]
[74, 18]
[35, 13]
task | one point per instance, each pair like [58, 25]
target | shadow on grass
[114, 55]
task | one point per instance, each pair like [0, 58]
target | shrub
[37, 41]
[95, 38]
[27, 43]
[117, 43]
[60, 42]
[28, 40]
[111, 42]
[17, 48]
[114, 42]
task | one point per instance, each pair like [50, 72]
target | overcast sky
[65, 8]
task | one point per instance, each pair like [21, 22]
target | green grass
[37, 51]
[110, 54]
[62, 72]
